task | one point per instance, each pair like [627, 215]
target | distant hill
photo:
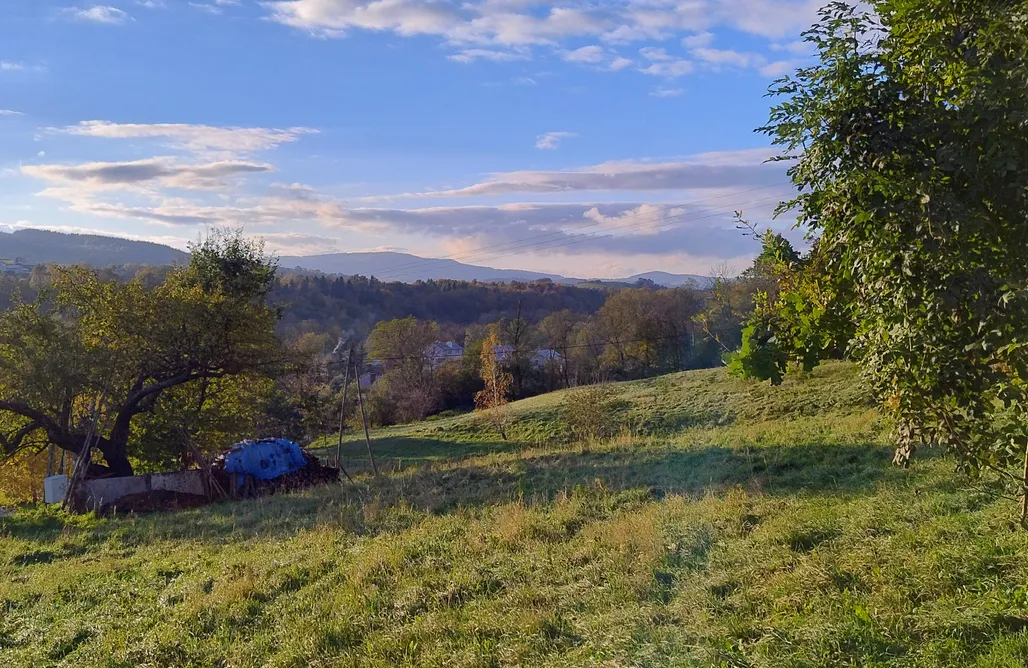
[409, 268]
[42, 246]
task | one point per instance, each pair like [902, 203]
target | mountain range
[46, 247]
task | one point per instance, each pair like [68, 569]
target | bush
[593, 412]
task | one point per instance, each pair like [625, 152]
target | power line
[527, 248]
[415, 358]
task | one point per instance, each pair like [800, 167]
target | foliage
[911, 142]
[492, 400]
[86, 337]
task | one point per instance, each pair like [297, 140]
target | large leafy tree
[90, 348]
[912, 140]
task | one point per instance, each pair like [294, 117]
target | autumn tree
[492, 401]
[88, 337]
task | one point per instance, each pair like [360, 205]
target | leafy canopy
[909, 142]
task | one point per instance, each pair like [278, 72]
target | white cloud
[203, 7]
[655, 54]
[151, 4]
[101, 14]
[193, 137]
[671, 69]
[586, 54]
[621, 63]
[598, 56]
[471, 55]
[10, 112]
[663, 64]
[698, 41]
[526, 22]
[666, 92]
[552, 140]
[780, 67]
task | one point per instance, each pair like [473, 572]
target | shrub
[593, 412]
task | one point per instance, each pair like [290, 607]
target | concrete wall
[105, 491]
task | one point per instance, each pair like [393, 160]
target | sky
[589, 138]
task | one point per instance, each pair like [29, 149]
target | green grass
[731, 525]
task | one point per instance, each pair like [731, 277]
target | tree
[517, 334]
[87, 337]
[909, 147]
[408, 391]
[558, 328]
[402, 346]
[493, 399]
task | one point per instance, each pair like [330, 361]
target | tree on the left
[87, 338]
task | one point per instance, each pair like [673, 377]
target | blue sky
[585, 137]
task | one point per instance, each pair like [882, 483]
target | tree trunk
[116, 455]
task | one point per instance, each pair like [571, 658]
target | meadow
[729, 524]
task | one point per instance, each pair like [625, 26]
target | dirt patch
[154, 502]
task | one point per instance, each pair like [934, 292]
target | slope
[41, 246]
[740, 525]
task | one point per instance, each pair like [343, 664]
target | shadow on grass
[775, 470]
[400, 452]
[771, 470]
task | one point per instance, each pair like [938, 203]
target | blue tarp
[266, 459]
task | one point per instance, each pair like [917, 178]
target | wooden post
[364, 418]
[50, 460]
[342, 413]
[82, 462]
[211, 485]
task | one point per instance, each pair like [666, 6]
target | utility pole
[364, 418]
[342, 413]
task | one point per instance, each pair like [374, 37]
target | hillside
[41, 246]
[733, 524]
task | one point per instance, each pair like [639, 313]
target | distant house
[15, 267]
[441, 352]
[503, 353]
[545, 356]
[539, 358]
[372, 371]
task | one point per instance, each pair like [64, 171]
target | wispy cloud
[18, 66]
[101, 14]
[552, 140]
[193, 137]
[10, 112]
[666, 92]
[728, 169]
[471, 55]
[165, 172]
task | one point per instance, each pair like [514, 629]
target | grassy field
[731, 524]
